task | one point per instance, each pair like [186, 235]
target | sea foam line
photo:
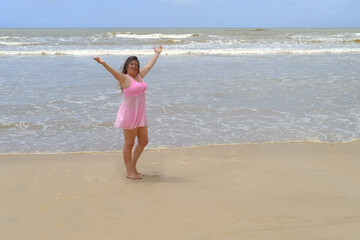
[152, 35]
[176, 52]
[17, 43]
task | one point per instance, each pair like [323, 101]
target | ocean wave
[179, 52]
[351, 41]
[331, 41]
[172, 41]
[76, 102]
[151, 35]
[17, 43]
[328, 39]
[19, 125]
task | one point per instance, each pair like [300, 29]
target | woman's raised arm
[151, 62]
[118, 75]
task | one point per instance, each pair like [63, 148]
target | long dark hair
[126, 64]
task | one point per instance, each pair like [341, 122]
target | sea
[209, 87]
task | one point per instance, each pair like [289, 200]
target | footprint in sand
[35, 183]
[88, 178]
[67, 198]
[184, 163]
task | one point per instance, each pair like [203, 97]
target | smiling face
[133, 67]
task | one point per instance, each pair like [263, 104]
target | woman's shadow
[159, 178]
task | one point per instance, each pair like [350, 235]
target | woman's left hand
[158, 49]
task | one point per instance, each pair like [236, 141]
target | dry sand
[260, 191]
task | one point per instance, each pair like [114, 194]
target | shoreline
[183, 148]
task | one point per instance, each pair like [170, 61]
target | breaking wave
[151, 35]
[177, 52]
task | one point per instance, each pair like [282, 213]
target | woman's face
[133, 67]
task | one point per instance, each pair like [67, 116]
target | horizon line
[181, 27]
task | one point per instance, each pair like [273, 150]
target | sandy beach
[254, 191]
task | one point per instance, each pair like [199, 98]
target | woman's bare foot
[133, 176]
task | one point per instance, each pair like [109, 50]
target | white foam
[150, 36]
[177, 52]
[16, 43]
[77, 102]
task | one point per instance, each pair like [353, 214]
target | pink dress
[132, 112]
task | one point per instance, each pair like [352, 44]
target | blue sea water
[209, 86]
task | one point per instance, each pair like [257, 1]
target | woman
[131, 116]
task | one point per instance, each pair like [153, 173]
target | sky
[180, 14]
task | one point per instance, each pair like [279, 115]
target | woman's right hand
[99, 60]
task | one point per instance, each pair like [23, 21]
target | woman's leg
[142, 136]
[129, 142]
